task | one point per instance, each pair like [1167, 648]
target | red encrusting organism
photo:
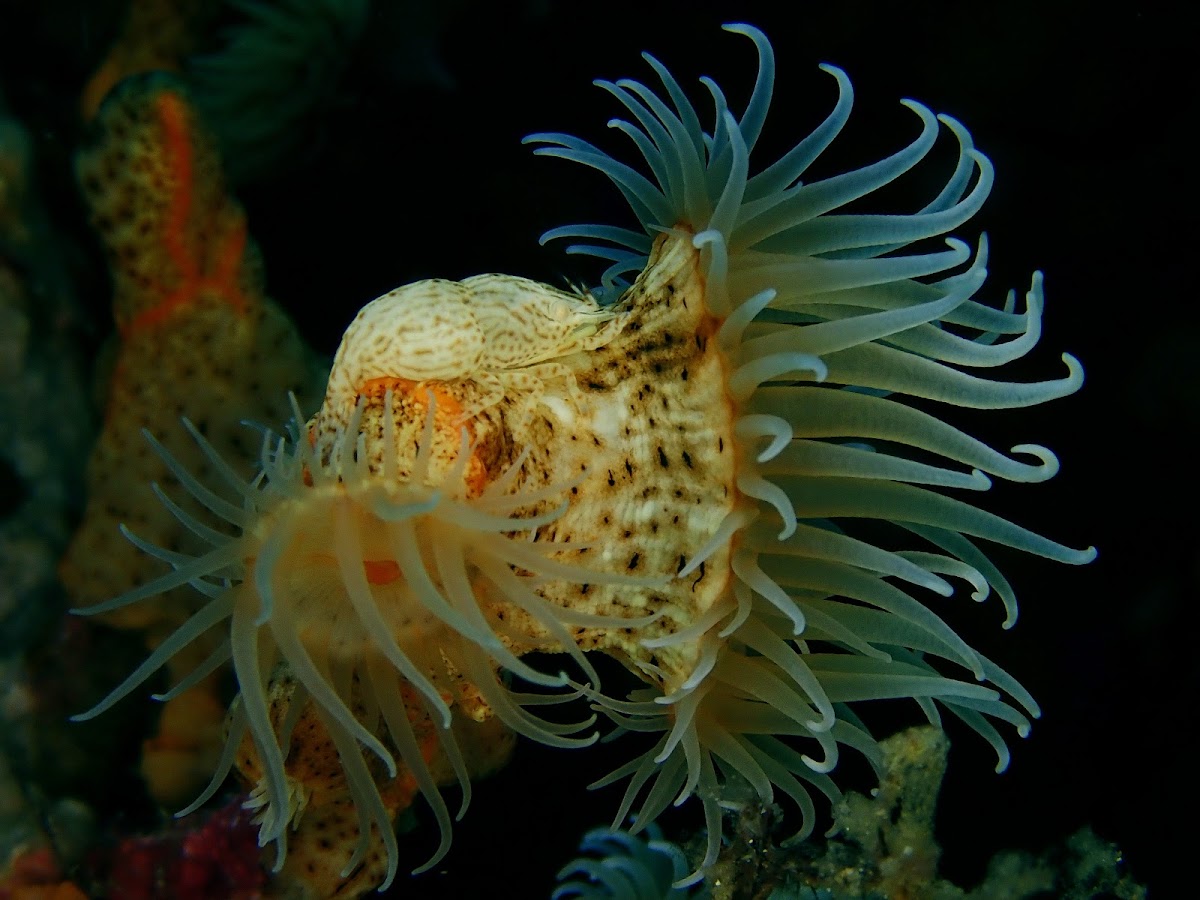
[219, 857]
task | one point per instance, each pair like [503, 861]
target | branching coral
[678, 480]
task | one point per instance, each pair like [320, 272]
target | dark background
[1083, 113]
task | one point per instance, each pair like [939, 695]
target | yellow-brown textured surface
[197, 338]
[656, 450]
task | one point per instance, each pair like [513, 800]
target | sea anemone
[676, 477]
[361, 573]
[824, 327]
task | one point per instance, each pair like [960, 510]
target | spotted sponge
[196, 334]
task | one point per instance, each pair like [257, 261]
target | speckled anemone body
[674, 477]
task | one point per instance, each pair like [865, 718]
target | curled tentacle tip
[1074, 367]
[820, 766]
[953, 124]
[940, 586]
[919, 108]
[1049, 464]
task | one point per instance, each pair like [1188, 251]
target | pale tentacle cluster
[674, 478]
[359, 577]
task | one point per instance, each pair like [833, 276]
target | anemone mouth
[379, 600]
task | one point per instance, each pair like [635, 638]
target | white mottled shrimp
[499, 331]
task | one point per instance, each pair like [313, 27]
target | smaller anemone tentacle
[265, 565]
[235, 731]
[349, 553]
[396, 717]
[216, 561]
[313, 674]
[220, 655]
[211, 614]
[210, 584]
[244, 641]
[216, 504]
[210, 536]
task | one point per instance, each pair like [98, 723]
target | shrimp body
[501, 332]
